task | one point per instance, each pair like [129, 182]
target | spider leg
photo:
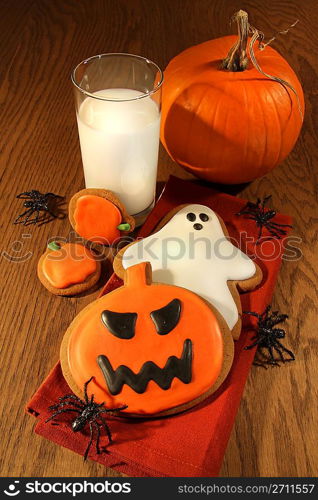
[244, 211]
[43, 218]
[24, 195]
[59, 412]
[291, 354]
[65, 403]
[277, 224]
[251, 313]
[52, 214]
[54, 195]
[279, 353]
[270, 227]
[32, 221]
[265, 200]
[90, 442]
[266, 311]
[280, 318]
[97, 427]
[119, 408]
[274, 232]
[260, 358]
[22, 215]
[275, 227]
[260, 352]
[85, 390]
[250, 216]
[107, 429]
[272, 360]
[36, 218]
[252, 345]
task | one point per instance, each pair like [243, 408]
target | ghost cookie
[68, 269]
[191, 249]
[157, 348]
[97, 215]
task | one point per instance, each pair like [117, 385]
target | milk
[119, 143]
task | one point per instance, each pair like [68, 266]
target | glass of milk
[118, 102]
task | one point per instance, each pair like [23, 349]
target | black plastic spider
[262, 217]
[267, 336]
[37, 202]
[89, 413]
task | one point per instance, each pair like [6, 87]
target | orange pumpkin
[229, 126]
[155, 348]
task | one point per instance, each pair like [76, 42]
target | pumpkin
[155, 348]
[230, 125]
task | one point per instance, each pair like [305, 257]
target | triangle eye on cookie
[192, 249]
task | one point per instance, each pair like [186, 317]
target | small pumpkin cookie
[68, 269]
[97, 215]
[159, 349]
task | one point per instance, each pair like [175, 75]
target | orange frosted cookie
[159, 349]
[68, 269]
[97, 215]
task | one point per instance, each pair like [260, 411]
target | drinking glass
[118, 104]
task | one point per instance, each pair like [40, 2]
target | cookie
[191, 248]
[68, 269]
[157, 348]
[98, 215]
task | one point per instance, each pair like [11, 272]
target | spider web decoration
[263, 218]
[267, 338]
[45, 206]
[88, 414]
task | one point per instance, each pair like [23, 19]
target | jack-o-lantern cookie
[68, 269]
[97, 215]
[191, 248]
[159, 349]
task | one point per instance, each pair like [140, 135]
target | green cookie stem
[54, 246]
[124, 226]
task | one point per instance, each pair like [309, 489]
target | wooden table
[41, 41]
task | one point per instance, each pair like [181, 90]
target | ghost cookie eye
[121, 325]
[204, 217]
[191, 216]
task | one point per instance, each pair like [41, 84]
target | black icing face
[122, 325]
[202, 217]
[167, 318]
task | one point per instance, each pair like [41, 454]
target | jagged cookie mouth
[180, 368]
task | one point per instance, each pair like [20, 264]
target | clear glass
[118, 104]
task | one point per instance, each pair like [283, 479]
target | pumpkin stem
[237, 59]
[139, 274]
[53, 245]
[124, 226]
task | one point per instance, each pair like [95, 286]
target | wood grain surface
[275, 433]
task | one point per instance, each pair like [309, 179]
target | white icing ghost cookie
[192, 250]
